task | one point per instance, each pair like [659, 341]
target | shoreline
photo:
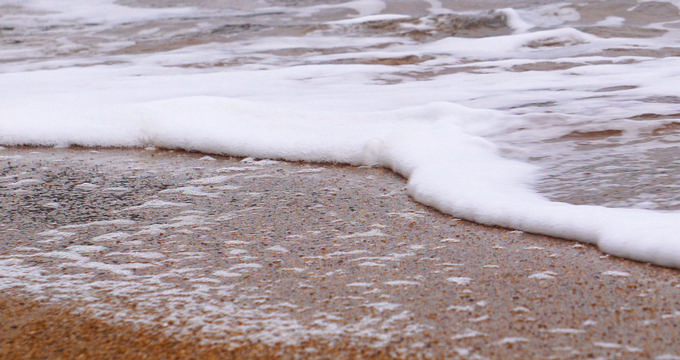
[243, 250]
[34, 329]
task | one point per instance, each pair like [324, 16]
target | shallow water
[245, 253]
[601, 117]
[585, 91]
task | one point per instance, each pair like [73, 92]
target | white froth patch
[238, 252]
[156, 204]
[116, 222]
[24, 183]
[399, 256]
[10, 157]
[511, 340]
[370, 233]
[114, 236]
[212, 180]
[370, 18]
[384, 306]
[515, 21]
[468, 333]
[459, 280]
[260, 162]
[371, 264]
[451, 265]
[346, 253]
[189, 190]
[65, 255]
[401, 283]
[466, 308]
[227, 274]
[116, 189]
[235, 242]
[612, 21]
[310, 171]
[246, 266]
[568, 331]
[227, 187]
[120, 269]
[51, 205]
[616, 273]
[147, 255]
[543, 275]
[237, 168]
[86, 187]
[26, 248]
[278, 249]
[187, 220]
[10, 262]
[102, 11]
[479, 319]
[589, 323]
[87, 248]
[56, 233]
[667, 357]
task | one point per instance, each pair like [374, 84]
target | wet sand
[162, 254]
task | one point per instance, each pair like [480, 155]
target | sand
[163, 254]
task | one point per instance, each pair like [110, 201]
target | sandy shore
[160, 254]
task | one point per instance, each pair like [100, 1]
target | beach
[148, 253]
[310, 179]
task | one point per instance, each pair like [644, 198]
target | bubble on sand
[466, 334]
[87, 187]
[370, 233]
[616, 273]
[114, 236]
[371, 264]
[459, 280]
[278, 249]
[511, 340]
[156, 204]
[227, 274]
[401, 283]
[383, 306]
[544, 275]
[569, 331]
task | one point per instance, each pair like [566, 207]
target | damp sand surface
[164, 254]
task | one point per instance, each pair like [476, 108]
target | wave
[447, 167]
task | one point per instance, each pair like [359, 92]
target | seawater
[489, 107]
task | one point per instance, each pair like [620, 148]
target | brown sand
[268, 260]
[36, 330]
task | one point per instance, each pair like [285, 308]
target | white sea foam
[105, 11]
[369, 18]
[384, 306]
[278, 249]
[401, 283]
[616, 273]
[459, 280]
[544, 275]
[447, 135]
[511, 340]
